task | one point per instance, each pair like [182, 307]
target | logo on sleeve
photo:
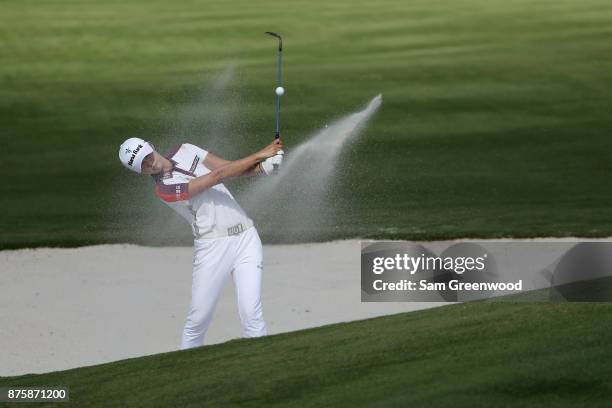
[194, 164]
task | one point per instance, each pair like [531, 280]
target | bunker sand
[65, 308]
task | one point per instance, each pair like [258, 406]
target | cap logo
[128, 150]
[134, 153]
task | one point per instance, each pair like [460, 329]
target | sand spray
[295, 204]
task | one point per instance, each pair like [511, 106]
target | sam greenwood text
[424, 285]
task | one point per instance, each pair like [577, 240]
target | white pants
[214, 260]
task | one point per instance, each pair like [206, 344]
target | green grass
[494, 353]
[495, 120]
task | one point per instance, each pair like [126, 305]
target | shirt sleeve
[198, 151]
[172, 192]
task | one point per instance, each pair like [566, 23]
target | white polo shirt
[211, 213]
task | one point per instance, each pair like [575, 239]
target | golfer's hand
[272, 164]
[270, 150]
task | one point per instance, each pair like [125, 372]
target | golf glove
[272, 164]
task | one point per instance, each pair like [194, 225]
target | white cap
[133, 151]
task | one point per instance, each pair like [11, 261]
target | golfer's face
[152, 164]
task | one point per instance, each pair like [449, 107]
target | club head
[273, 34]
[280, 39]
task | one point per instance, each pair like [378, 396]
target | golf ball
[280, 91]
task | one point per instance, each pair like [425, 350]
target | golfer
[190, 180]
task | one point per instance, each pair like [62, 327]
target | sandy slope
[64, 308]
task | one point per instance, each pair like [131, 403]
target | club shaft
[280, 83]
[279, 80]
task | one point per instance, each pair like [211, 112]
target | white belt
[227, 232]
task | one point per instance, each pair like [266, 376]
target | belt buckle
[235, 230]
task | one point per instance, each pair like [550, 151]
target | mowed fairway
[496, 118]
[475, 354]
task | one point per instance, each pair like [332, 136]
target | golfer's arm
[218, 175]
[214, 162]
